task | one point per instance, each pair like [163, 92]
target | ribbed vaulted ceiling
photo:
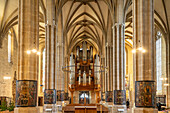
[88, 20]
[85, 21]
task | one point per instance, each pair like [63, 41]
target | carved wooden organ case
[84, 70]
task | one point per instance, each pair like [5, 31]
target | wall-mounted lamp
[28, 52]
[166, 84]
[33, 51]
[163, 78]
[7, 78]
[140, 49]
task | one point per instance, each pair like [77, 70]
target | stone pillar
[111, 68]
[118, 68]
[168, 68]
[50, 45]
[50, 26]
[107, 65]
[118, 58]
[103, 79]
[144, 75]
[60, 76]
[168, 72]
[109, 90]
[66, 77]
[103, 58]
[28, 39]
[66, 94]
[108, 93]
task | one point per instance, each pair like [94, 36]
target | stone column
[103, 79]
[106, 78]
[50, 44]
[109, 79]
[60, 76]
[66, 97]
[66, 77]
[108, 93]
[144, 75]
[168, 69]
[50, 38]
[107, 64]
[111, 68]
[103, 64]
[28, 39]
[118, 58]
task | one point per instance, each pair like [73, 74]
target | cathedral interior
[84, 56]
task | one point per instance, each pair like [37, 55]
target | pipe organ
[84, 70]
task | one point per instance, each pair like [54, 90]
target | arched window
[10, 45]
[159, 62]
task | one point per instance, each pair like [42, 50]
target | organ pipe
[89, 80]
[78, 52]
[89, 77]
[84, 51]
[84, 78]
[97, 69]
[91, 53]
[72, 69]
[79, 77]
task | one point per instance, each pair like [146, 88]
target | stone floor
[128, 111]
[164, 111]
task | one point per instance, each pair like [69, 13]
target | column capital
[59, 44]
[107, 44]
[54, 25]
[117, 24]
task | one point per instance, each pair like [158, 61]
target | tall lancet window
[159, 62]
[43, 69]
[10, 46]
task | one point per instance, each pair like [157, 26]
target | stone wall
[6, 68]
